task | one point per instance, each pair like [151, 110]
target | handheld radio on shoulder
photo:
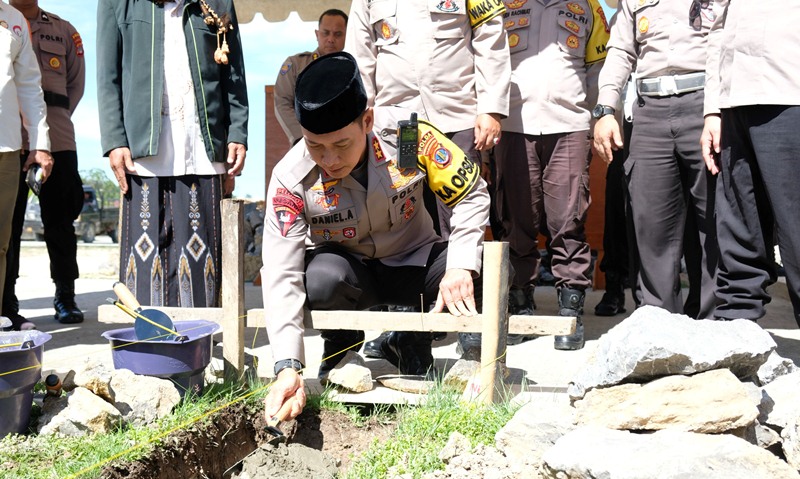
[407, 142]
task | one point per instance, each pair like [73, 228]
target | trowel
[272, 427]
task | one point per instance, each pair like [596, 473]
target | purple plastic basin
[20, 370]
[182, 363]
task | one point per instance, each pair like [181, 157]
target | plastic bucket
[182, 363]
[20, 370]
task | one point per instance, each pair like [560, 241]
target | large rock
[711, 402]
[85, 413]
[461, 373]
[406, 383]
[352, 373]
[775, 367]
[95, 376]
[782, 404]
[593, 452]
[652, 343]
[535, 427]
[143, 399]
[791, 443]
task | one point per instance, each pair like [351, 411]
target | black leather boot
[11, 311]
[67, 312]
[372, 349]
[469, 346]
[337, 343]
[613, 301]
[570, 303]
[410, 351]
[520, 301]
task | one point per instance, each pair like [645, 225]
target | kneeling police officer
[346, 228]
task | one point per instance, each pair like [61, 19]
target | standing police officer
[59, 49]
[666, 43]
[446, 60]
[542, 163]
[330, 39]
[752, 113]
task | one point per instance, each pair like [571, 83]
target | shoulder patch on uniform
[286, 67]
[287, 206]
[76, 39]
[451, 174]
[598, 38]
[481, 11]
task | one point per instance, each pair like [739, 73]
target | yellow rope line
[167, 432]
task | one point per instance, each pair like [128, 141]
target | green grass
[45, 457]
[413, 448]
[422, 431]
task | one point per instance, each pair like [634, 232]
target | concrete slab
[534, 365]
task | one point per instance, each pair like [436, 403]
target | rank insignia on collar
[376, 146]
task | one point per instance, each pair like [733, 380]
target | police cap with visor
[329, 94]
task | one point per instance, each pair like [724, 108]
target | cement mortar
[293, 461]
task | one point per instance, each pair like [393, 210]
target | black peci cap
[329, 93]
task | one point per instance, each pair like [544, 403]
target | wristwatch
[600, 111]
[288, 363]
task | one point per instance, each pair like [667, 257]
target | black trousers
[668, 180]
[616, 257]
[61, 200]
[757, 189]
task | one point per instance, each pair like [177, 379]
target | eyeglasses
[695, 21]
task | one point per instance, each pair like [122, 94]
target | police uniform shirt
[659, 37]
[447, 60]
[59, 49]
[386, 220]
[554, 88]
[284, 93]
[751, 59]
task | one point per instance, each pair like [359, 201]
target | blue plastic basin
[182, 363]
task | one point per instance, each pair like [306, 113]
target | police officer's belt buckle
[669, 85]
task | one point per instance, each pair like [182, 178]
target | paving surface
[534, 363]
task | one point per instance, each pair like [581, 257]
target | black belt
[54, 99]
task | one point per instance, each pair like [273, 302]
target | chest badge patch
[447, 6]
[326, 197]
[400, 178]
[573, 42]
[386, 30]
[572, 26]
[644, 25]
[3, 24]
[513, 40]
[514, 4]
[576, 9]
[408, 207]
[55, 63]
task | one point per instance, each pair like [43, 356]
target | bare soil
[209, 448]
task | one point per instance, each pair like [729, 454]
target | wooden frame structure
[493, 323]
